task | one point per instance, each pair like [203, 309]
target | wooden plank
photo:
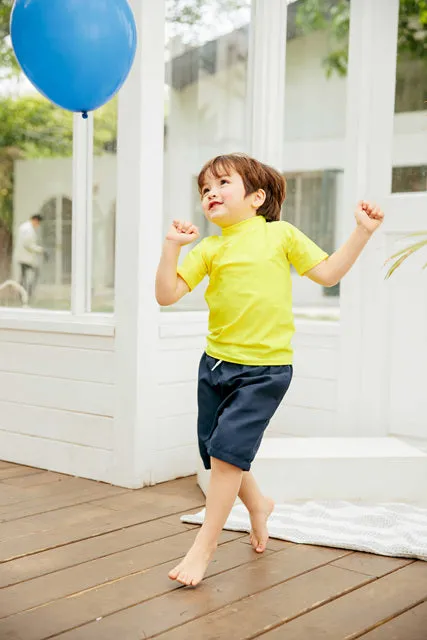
[73, 496]
[370, 564]
[18, 471]
[312, 393]
[36, 541]
[65, 614]
[66, 426]
[411, 625]
[75, 553]
[34, 490]
[45, 477]
[64, 457]
[43, 522]
[91, 574]
[6, 465]
[182, 605]
[78, 341]
[82, 397]
[62, 362]
[257, 614]
[378, 601]
[312, 362]
[82, 491]
[304, 421]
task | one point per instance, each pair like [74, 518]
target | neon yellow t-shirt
[250, 288]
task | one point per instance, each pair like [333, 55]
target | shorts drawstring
[216, 365]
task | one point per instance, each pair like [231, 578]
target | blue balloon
[77, 53]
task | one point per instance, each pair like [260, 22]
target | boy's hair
[255, 175]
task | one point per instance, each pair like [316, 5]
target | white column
[82, 214]
[266, 100]
[139, 233]
[362, 392]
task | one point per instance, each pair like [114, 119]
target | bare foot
[192, 568]
[259, 533]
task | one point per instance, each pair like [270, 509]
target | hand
[368, 216]
[182, 232]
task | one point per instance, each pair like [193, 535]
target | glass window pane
[315, 116]
[36, 142]
[206, 102]
[104, 207]
[409, 171]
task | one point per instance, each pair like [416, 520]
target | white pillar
[139, 233]
[266, 86]
[362, 391]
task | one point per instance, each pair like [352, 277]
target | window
[315, 129]
[411, 85]
[310, 205]
[410, 130]
[409, 179]
[35, 178]
[206, 104]
[104, 191]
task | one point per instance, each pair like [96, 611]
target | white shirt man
[28, 252]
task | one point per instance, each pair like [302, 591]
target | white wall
[406, 335]
[57, 399]
[309, 408]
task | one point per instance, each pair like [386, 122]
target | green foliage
[400, 256]
[32, 127]
[191, 12]
[334, 16]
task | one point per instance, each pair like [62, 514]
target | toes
[173, 573]
[261, 546]
[184, 579]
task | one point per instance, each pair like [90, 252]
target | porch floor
[81, 560]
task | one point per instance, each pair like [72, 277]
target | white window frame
[79, 319]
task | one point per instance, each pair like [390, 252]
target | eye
[204, 191]
[224, 181]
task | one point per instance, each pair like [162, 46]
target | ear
[258, 198]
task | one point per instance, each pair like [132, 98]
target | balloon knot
[84, 115]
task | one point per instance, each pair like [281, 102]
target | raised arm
[329, 272]
[170, 287]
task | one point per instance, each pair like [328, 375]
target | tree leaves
[334, 16]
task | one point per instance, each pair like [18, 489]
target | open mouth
[214, 204]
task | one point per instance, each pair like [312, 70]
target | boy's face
[224, 201]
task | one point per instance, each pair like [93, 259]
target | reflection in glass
[409, 173]
[206, 103]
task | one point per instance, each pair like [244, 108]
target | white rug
[398, 530]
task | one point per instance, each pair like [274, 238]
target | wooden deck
[82, 560]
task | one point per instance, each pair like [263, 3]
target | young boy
[247, 367]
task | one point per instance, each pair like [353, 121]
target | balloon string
[84, 115]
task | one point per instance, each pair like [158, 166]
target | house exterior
[111, 396]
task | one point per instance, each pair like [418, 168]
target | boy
[247, 367]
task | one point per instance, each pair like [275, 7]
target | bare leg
[259, 507]
[222, 492]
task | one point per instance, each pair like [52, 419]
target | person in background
[28, 253]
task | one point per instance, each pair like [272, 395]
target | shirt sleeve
[302, 253]
[195, 265]
[29, 242]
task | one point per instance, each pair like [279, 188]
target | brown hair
[255, 175]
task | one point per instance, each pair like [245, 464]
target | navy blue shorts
[236, 403]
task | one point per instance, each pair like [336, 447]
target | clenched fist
[182, 232]
[368, 216]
